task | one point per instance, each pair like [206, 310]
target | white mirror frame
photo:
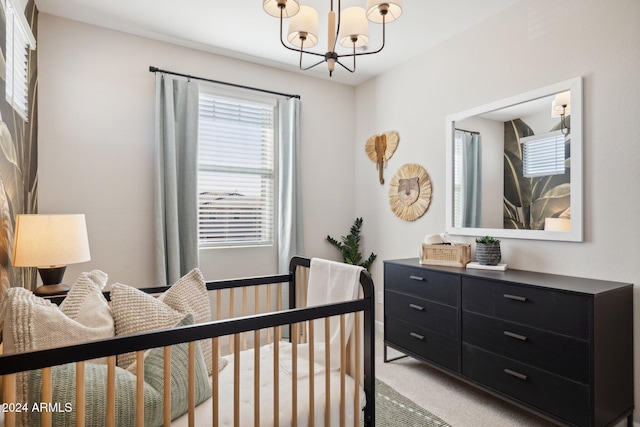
[575, 235]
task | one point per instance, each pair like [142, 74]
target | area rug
[393, 410]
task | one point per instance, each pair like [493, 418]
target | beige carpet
[455, 401]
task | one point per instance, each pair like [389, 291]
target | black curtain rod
[468, 131]
[158, 70]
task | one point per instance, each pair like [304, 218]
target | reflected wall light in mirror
[487, 191]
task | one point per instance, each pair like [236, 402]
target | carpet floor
[393, 409]
[450, 399]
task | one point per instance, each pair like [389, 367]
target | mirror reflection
[510, 167]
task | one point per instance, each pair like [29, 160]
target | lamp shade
[304, 23]
[374, 12]
[272, 7]
[560, 100]
[353, 25]
[50, 240]
[557, 224]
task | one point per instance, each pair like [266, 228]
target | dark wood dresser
[560, 346]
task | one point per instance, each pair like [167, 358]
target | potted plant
[349, 247]
[488, 251]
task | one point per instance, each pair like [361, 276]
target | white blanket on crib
[203, 412]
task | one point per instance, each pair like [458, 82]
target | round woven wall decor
[410, 192]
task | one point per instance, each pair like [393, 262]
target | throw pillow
[34, 323]
[96, 385]
[189, 295]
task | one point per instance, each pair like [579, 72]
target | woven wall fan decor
[410, 192]
[380, 148]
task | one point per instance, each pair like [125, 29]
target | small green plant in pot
[349, 247]
[488, 251]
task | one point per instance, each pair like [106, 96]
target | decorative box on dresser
[560, 346]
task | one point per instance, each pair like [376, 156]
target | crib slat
[357, 374]
[111, 391]
[47, 394]
[327, 370]
[191, 383]
[236, 380]
[167, 386]
[256, 378]
[294, 374]
[140, 388]
[80, 393]
[244, 313]
[343, 365]
[215, 381]
[10, 396]
[312, 386]
[279, 297]
[276, 375]
[231, 314]
[268, 309]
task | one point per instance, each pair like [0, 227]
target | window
[19, 41]
[236, 174]
[543, 154]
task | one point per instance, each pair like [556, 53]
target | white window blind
[543, 154]
[19, 39]
[235, 171]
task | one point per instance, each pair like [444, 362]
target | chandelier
[349, 27]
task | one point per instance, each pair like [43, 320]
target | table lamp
[50, 243]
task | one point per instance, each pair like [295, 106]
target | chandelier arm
[354, 61]
[347, 68]
[291, 48]
[335, 41]
[354, 54]
[310, 66]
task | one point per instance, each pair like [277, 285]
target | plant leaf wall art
[528, 201]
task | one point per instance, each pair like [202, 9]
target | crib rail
[298, 322]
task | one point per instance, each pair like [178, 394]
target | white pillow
[34, 323]
[135, 311]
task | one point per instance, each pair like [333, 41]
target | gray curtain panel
[176, 169]
[471, 180]
[290, 239]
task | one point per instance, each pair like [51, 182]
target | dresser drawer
[542, 308]
[422, 283]
[429, 345]
[423, 313]
[565, 399]
[559, 354]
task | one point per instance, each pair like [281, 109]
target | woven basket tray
[457, 255]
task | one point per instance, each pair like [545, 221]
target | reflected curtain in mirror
[467, 179]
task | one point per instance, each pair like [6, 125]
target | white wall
[530, 45]
[96, 103]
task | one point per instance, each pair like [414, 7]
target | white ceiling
[241, 29]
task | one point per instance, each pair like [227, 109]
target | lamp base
[51, 278]
[51, 290]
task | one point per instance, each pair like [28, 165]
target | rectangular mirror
[514, 166]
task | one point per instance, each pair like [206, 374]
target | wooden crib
[253, 315]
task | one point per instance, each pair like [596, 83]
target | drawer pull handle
[516, 374]
[416, 307]
[418, 336]
[516, 336]
[514, 297]
[421, 279]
